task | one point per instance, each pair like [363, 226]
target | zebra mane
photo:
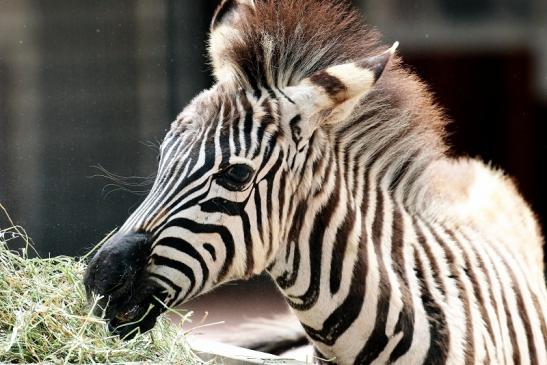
[278, 43]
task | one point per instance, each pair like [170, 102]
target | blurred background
[88, 83]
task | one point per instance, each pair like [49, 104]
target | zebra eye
[236, 177]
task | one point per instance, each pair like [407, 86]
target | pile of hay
[44, 316]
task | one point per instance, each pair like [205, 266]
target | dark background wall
[97, 83]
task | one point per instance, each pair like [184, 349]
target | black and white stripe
[387, 250]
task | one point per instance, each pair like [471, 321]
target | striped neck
[363, 169]
[346, 168]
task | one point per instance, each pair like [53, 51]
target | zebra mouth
[119, 287]
[134, 311]
[138, 318]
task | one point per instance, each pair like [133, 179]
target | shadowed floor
[218, 315]
[227, 307]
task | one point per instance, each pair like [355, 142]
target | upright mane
[277, 43]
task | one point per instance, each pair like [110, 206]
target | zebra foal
[319, 158]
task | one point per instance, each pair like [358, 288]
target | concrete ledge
[233, 355]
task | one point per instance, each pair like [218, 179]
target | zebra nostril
[114, 267]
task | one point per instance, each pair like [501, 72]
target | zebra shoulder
[468, 193]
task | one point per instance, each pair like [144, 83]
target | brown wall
[495, 115]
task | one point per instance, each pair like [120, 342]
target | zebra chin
[128, 299]
[135, 318]
[137, 314]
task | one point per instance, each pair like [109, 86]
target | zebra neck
[325, 262]
[330, 229]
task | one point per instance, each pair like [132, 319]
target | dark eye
[236, 177]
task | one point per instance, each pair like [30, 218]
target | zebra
[319, 158]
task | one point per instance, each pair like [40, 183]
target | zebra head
[232, 170]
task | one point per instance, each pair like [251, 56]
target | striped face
[232, 171]
[210, 211]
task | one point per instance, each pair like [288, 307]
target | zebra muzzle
[128, 298]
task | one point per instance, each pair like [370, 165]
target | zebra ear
[224, 32]
[337, 90]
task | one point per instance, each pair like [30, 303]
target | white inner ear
[320, 108]
[221, 38]
[316, 107]
[358, 80]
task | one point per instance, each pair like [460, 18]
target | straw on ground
[44, 316]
